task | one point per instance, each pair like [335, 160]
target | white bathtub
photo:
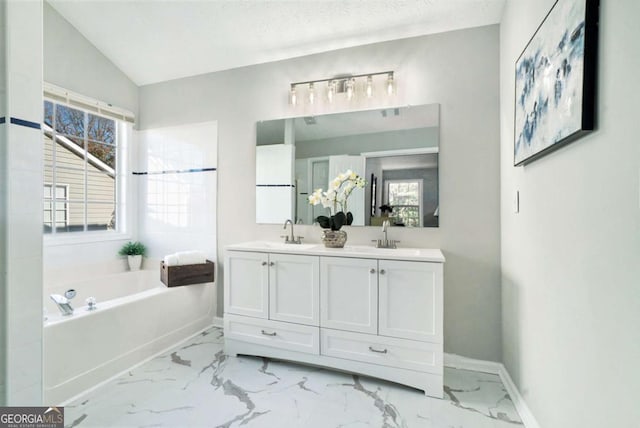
[136, 317]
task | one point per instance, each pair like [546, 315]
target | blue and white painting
[549, 81]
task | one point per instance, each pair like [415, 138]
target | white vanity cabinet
[293, 289]
[273, 300]
[349, 294]
[363, 310]
[249, 274]
[410, 300]
[280, 287]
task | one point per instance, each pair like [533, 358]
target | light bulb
[293, 97]
[312, 93]
[331, 90]
[390, 84]
[350, 84]
[369, 87]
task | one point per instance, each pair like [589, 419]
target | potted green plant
[134, 252]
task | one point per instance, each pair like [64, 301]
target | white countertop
[359, 251]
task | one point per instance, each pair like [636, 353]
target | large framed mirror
[394, 149]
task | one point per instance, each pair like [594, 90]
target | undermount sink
[375, 250]
[272, 245]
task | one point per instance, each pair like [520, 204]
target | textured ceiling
[157, 40]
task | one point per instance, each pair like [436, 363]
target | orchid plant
[335, 200]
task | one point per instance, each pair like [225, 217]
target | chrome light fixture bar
[341, 84]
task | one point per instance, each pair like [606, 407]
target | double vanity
[364, 310]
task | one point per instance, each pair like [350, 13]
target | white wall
[459, 70]
[3, 213]
[72, 62]
[570, 270]
[21, 213]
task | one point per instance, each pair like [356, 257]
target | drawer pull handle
[372, 270]
[274, 333]
[382, 271]
[264, 263]
[384, 351]
[271, 264]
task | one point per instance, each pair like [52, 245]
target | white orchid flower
[339, 190]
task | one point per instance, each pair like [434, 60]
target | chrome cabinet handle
[384, 351]
[264, 263]
[272, 334]
[372, 270]
[382, 271]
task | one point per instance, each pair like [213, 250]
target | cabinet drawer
[386, 351]
[293, 337]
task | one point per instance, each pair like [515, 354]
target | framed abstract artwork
[555, 83]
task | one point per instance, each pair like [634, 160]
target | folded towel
[191, 257]
[185, 258]
[171, 260]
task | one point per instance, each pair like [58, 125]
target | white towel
[185, 258]
[191, 257]
[171, 260]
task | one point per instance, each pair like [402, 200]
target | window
[80, 161]
[405, 197]
[60, 206]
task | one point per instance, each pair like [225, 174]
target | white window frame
[420, 194]
[124, 199]
[53, 200]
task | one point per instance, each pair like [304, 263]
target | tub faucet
[291, 239]
[63, 304]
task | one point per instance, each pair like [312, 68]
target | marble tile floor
[197, 385]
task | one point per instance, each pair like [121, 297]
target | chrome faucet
[386, 242]
[291, 239]
[64, 302]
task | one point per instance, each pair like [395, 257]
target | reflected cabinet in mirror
[394, 149]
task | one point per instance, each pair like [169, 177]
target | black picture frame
[555, 81]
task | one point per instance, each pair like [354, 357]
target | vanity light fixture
[368, 89]
[312, 93]
[349, 85]
[331, 90]
[350, 88]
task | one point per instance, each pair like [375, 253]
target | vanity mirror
[394, 149]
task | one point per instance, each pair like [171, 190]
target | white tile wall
[3, 264]
[177, 211]
[22, 199]
[3, 197]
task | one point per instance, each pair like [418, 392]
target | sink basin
[391, 251]
[271, 245]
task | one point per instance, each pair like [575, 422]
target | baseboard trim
[218, 322]
[518, 401]
[464, 363]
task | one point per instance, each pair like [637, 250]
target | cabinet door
[349, 294]
[246, 284]
[294, 288]
[411, 300]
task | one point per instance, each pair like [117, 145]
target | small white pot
[134, 262]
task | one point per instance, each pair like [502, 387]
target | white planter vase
[134, 262]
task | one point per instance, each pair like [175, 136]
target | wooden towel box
[174, 276]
